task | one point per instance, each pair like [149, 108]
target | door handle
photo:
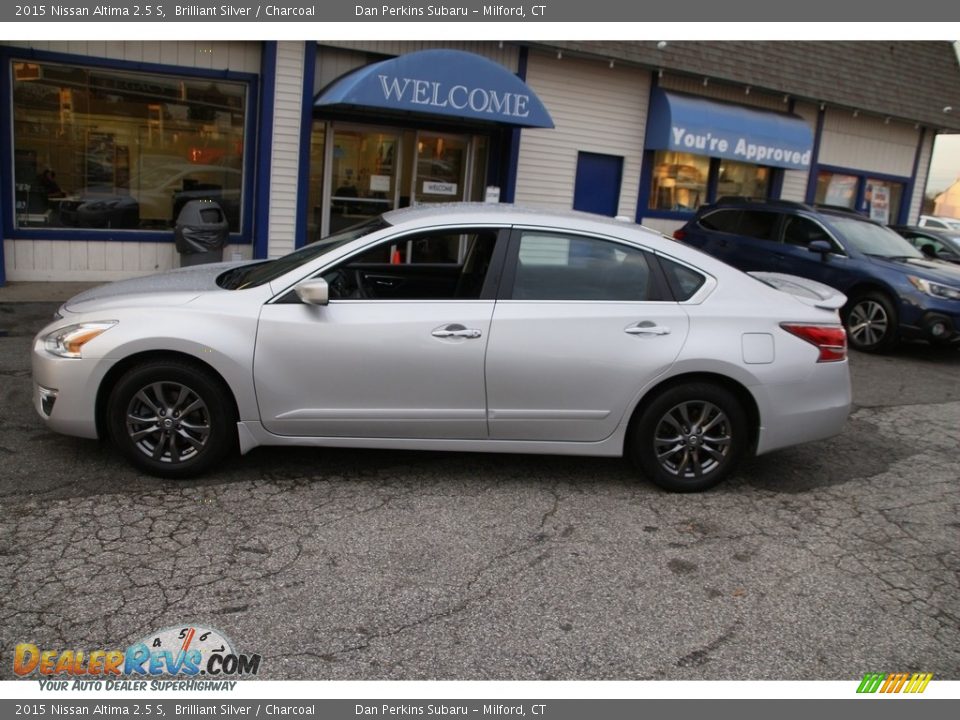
[646, 328]
[456, 330]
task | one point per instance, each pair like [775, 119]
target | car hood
[175, 287]
[937, 270]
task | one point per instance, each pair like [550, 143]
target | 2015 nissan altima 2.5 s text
[465, 327]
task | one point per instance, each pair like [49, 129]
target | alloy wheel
[868, 323]
[168, 422]
[692, 439]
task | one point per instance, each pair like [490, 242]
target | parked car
[935, 244]
[155, 199]
[894, 291]
[939, 223]
[534, 332]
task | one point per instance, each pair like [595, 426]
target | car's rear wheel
[171, 419]
[871, 323]
[690, 437]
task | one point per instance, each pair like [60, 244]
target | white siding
[285, 158]
[923, 170]
[507, 55]
[795, 181]
[113, 260]
[333, 62]
[868, 143]
[597, 109]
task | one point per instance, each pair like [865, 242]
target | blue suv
[893, 291]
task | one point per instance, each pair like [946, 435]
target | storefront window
[743, 179]
[836, 189]
[679, 181]
[880, 199]
[103, 148]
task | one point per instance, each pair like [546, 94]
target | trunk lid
[809, 292]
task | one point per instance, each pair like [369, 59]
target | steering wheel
[359, 289]
[345, 284]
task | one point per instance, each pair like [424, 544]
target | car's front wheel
[690, 437]
[871, 323]
[171, 419]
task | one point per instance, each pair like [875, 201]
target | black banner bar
[572, 11]
[503, 709]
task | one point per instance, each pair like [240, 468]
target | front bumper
[933, 319]
[65, 391]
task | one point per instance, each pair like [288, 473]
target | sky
[945, 163]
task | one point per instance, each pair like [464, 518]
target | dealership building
[105, 142]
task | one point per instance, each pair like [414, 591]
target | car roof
[509, 214]
[786, 206]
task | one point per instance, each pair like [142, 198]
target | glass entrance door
[359, 171]
[441, 168]
[363, 175]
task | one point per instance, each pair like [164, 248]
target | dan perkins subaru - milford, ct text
[447, 11]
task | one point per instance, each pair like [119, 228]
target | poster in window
[100, 160]
[841, 190]
[880, 203]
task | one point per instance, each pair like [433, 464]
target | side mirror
[313, 292]
[929, 250]
[820, 246]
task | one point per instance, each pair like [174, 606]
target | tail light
[831, 340]
[679, 234]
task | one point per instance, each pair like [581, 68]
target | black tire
[871, 323]
[689, 437]
[171, 419]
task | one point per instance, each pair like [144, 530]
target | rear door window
[721, 220]
[683, 281]
[556, 266]
[758, 224]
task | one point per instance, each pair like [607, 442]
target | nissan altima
[465, 327]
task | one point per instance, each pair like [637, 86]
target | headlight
[69, 341]
[935, 289]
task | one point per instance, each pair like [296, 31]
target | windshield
[873, 239]
[260, 273]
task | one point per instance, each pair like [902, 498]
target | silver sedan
[482, 328]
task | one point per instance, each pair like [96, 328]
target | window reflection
[679, 181]
[102, 148]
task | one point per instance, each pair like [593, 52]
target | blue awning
[440, 82]
[707, 127]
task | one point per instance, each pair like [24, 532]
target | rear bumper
[814, 408]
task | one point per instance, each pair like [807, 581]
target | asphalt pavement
[823, 561]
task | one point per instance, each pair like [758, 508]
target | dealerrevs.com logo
[888, 683]
[189, 650]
